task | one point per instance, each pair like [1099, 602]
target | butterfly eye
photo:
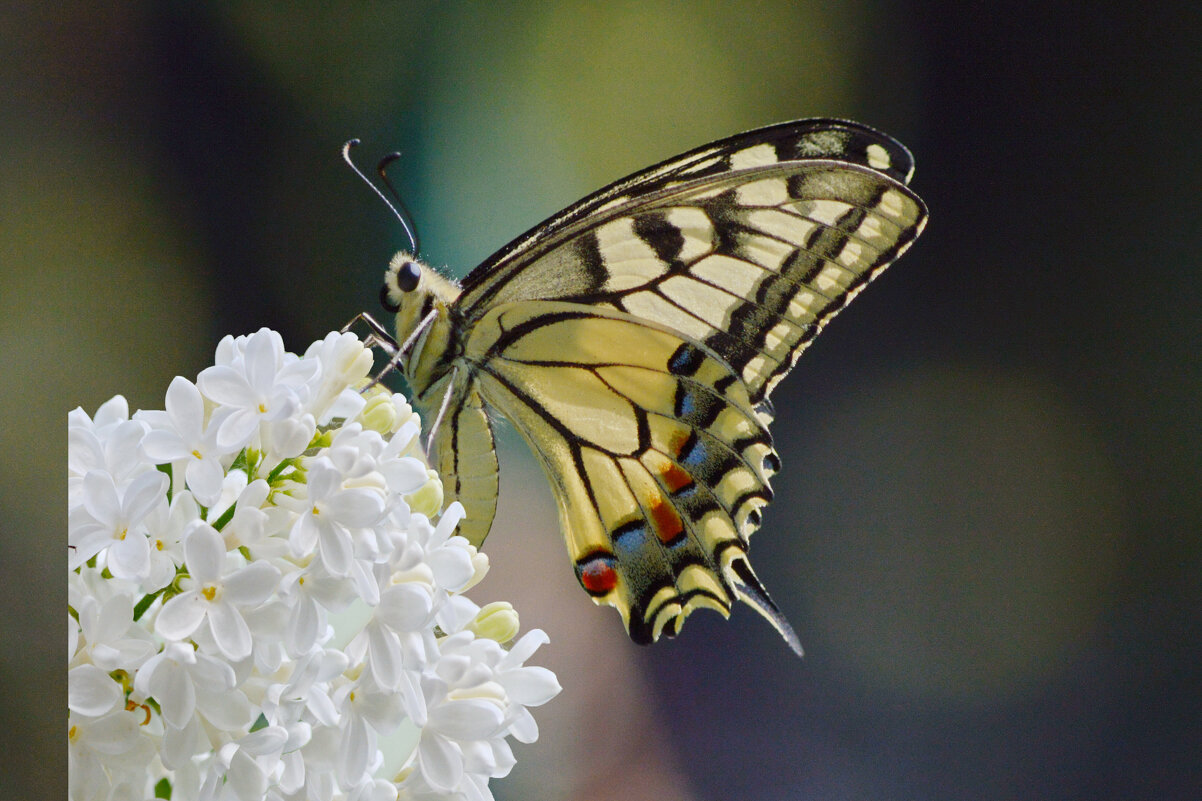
[407, 276]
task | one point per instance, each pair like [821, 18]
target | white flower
[167, 529]
[103, 751]
[174, 675]
[181, 436]
[202, 641]
[345, 364]
[216, 595]
[332, 511]
[110, 640]
[262, 386]
[365, 712]
[112, 520]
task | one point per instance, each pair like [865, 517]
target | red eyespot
[597, 574]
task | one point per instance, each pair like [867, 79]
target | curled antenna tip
[399, 210]
[382, 167]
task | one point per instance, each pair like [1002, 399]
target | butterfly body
[633, 341]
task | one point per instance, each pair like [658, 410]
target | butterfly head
[413, 290]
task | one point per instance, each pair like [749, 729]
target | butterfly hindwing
[659, 465]
[464, 454]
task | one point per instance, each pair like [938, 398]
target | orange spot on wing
[675, 478]
[665, 520]
[678, 439]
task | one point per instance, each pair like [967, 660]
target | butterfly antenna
[405, 217]
[401, 213]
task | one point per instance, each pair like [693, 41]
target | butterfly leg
[442, 409]
[378, 336]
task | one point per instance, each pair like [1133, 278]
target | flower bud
[428, 499]
[380, 414]
[496, 621]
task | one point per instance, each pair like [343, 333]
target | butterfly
[633, 340]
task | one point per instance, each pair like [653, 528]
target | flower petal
[204, 477]
[263, 352]
[91, 691]
[467, 718]
[181, 616]
[129, 557]
[225, 385]
[204, 550]
[185, 407]
[253, 584]
[441, 762]
[230, 631]
[146, 491]
[356, 507]
[530, 686]
[100, 497]
[404, 475]
[237, 429]
[173, 689]
[162, 446]
[334, 545]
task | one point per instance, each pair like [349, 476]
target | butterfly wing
[634, 340]
[659, 464]
[464, 454]
[752, 259]
[803, 140]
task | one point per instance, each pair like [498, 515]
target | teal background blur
[986, 531]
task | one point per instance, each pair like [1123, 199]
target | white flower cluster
[261, 607]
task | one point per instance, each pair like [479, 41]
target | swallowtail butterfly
[634, 339]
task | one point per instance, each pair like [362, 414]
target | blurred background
[986, 531]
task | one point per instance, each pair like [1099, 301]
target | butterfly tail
[752, 592]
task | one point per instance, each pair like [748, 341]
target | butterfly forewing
[802, 140]
[633, 340]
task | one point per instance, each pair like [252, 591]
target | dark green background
[987, 528]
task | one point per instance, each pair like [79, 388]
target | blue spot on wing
[686, 404]
[629, 540]
[693, 453]
[686, 360]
